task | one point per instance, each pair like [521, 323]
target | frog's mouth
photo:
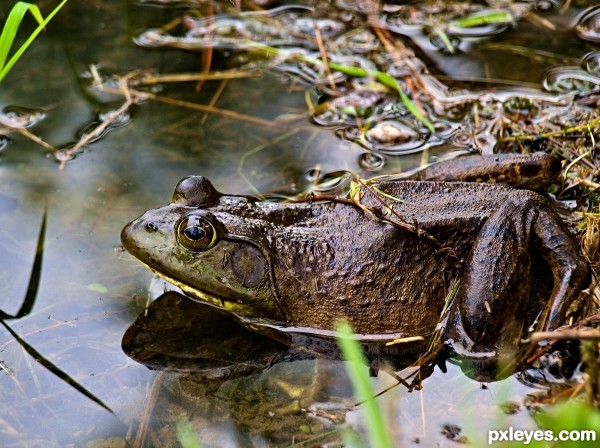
[197, 295]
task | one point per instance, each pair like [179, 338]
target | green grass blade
[14, 19]
[53, 368]
[10, 29]
[359, 72]
[378, 434]
[445, 39]
[483, 18]
[391, 82]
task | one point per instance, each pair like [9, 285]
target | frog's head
[209, 245]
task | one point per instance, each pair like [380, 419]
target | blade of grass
[483, 18]
[363, 388]
[34, 279]
[445, 39]
[7, 40]
[36, 272]
[391, 82]
[27, 306]
[388, 81]
[52, 368]
[240, 168]
[14, 19]
[357, 72]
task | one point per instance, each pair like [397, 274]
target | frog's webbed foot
[487, 320]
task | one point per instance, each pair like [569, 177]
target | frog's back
[384, 278]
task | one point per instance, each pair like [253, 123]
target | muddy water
[90, 292]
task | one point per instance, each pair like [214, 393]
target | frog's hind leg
[495, 287]
[488, 316]
[570, 271]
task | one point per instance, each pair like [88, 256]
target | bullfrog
[388, 259]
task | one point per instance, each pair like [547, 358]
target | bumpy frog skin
[309, 264]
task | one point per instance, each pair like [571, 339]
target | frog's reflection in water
[179, 334]
[216, 367]
[220, 374]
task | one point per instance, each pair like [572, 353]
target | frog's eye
[196, 233]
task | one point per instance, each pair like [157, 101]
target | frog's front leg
[488, 316]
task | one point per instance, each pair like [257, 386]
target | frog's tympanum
[309, 264]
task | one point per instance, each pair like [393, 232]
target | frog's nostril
[151, 226]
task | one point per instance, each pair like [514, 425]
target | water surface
[91, 291]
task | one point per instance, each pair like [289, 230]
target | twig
[98, 130]
[207, 51]
[102, 126]
[405, 340]
[535, 19]
[561, 132]
[183, 77]
[130, 99]
[403, 223]
[200, 107]
[566, 335]
[215, 98]
[213, 110]
[31, 136]
[565, 7]
[395, 53]
[324, 58]
[140, 437]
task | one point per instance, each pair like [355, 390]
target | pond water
[90, 291]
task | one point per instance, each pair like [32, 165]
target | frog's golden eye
[196, 233]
